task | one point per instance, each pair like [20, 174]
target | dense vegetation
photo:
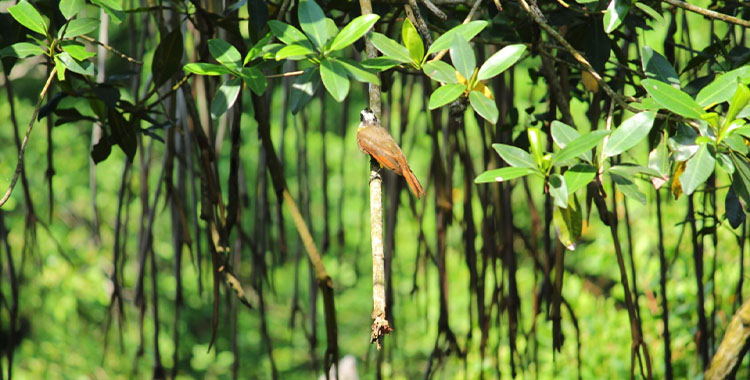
[186, 197]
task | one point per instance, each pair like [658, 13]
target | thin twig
[19, 164]
[111, 49]
[289, 74]
[709, 13]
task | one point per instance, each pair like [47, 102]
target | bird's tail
[413, 182]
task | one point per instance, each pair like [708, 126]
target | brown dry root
[380, 328]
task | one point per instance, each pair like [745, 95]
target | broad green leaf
[578, 146]
[501, 61]
[313, 23]
[657, 67]
[60, 66]
[224, 53]
[390, 48]
[484, 106]
[628, 188]
[563, 134]
[578, 177]
[651, 12]
[724, 162]
[445, 94]
[332, 30]
[225, 97]
[167, 57]
[568, 224]
[201, 68]
[558, 190]
[21, 50]
[630, 133]
[698, 169]
[286, 33]
[515, 156]
[70, 8]
[440, 71]
[358, 72]
[78, 27]
[683, 144]
[673, 99]
[354, 31]
[28, 16]
[255, 51]
[468, 31]
[738, 102]
[334, 78]
[462, 56]
[379, 63]
[303, 88]
[76, 50]
[82, 67]
[254, 79]
[737, 143]
[412, 41]
[295, 51]
[615, 14]
[631, 170]
[504, 174]
[722, 88]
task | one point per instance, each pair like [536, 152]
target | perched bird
[378, 143]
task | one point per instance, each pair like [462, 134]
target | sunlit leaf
[631, 132]
[515, 156]
[353, 31]
[697, 170]
[501, 61]
[334, 78]
[578, 146]
[445, 94]
[313, 22]
[672, 99]
[504, 174]
[412, 41]
[28, 16]
[484, 106]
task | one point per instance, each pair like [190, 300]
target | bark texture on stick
[380, 325]
[733, 346]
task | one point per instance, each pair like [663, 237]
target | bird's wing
[382, 147]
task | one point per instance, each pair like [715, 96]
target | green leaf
[303, 88]
[201, 68]
[82, 67]
[722, 88]
[167, 57]
[628, 187]
[578, 177]
[568, 224]
[358, 72]
[504, 174]
[113, 9]
[468, 31]
[379, 63]
[462, 56]
[225, 97]
[254, 79]
[631, 170]
[76, 50]
[440, 71]
[354, 31]
[412, 41]
[501, 61]
[78, 27]
[697, 170]
[224, 53]
[390, 48]
[515, 156]
[738, 102]
[313, 23]
[558, 190]
[70, 8]
[28, 16]
[651, 12]
[630, 133]
[579, 146]
[484, 106]
[536, 145]
[286, 33]
[21, 50]
[60, 66]
[724, 162]
[615, 14]
[673, 99]
[295, 51]
[334, 78]
[123, 133]
[256, 50]
[445, 94]
[658, 160]
[563, 134]
[657, 67]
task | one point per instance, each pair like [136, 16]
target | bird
[374, 140]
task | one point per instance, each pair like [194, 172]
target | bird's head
[367, 117]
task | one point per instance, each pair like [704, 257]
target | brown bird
[378, 143]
